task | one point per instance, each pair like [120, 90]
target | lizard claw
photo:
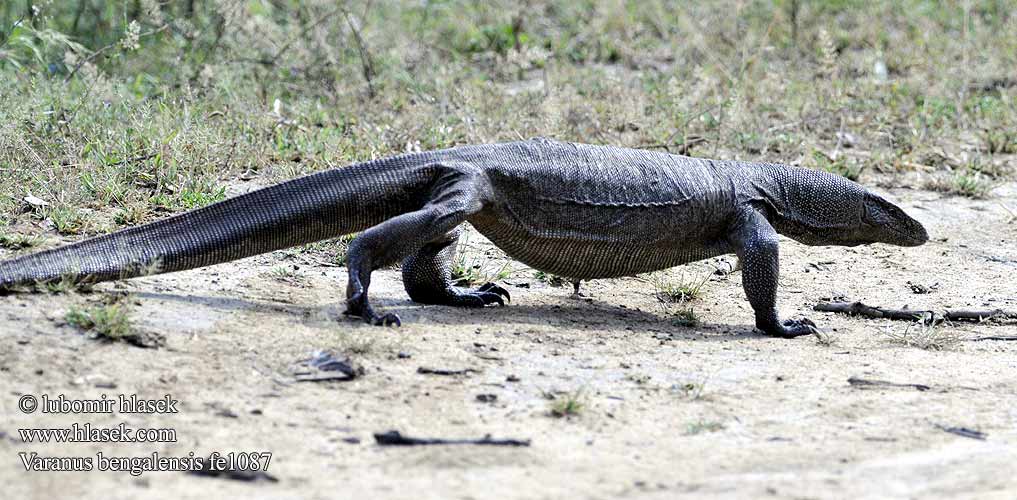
[388, 319]
[357, 306]
[493, 288]
[477, 299]
[789, 329]
[796, 328]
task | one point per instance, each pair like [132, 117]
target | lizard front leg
[755, 241]
[427, 277]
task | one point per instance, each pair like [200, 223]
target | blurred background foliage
[116, 110]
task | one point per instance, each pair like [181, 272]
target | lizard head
[820, 208]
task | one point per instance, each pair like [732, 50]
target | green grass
[334, 251]
[550, 279]
[968, 182]
[703, 426]
[111, 322]
[568, 405]
[685, 317]
[15, 241]
[692, 391]
[678, 291]
[67, 220]
[1000, 141]
[131, 215]
[470, 268]
[841, 166]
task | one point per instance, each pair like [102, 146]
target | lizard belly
[588, 242]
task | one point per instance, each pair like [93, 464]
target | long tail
[304, 210]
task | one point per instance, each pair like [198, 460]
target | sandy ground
[764, 418]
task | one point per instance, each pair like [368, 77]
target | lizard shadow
[595, 314]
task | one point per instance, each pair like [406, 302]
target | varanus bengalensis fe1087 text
[574, 210]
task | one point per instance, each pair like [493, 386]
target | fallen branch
[964, 432]
[863, 383]
[394, 438]
[927, 316]
[445, 371]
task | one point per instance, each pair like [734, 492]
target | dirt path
[712, 411]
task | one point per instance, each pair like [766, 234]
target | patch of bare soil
[657, 410]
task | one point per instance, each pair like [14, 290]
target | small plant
[680, 291]
[925, 335]
[468, 270]
[702, 426]
[67, 221]
[685, 317]
[692, 391]
[67, 283]
[284, 274]
[131, 215]
[342, 248]
[550, 279]
[968, 182]
[1000, 141]
[568, 405]
[336, 250]
[463, 274]
[189, 199]
[15, 241]
[109, 321]
[840, 166]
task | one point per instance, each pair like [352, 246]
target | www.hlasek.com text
[87, 433]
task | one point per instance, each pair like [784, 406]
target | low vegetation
[122, 112]
[922, 335]
[703, 426]
[569, 404]
[678, 291]
[109, 321]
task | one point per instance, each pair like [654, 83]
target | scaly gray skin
[575, 210]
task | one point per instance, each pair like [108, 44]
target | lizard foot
[791, 328]
[488, 293]
[357, 306]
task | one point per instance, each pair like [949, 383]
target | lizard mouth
[915, 236]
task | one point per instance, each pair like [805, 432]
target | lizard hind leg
[427, 277]
[391, 241]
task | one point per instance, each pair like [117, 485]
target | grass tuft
[568, 405]
[15, 241]
[108, 321]
[678, 291]
[925, 336]
[703, 426]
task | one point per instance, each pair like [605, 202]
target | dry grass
[924, 336]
